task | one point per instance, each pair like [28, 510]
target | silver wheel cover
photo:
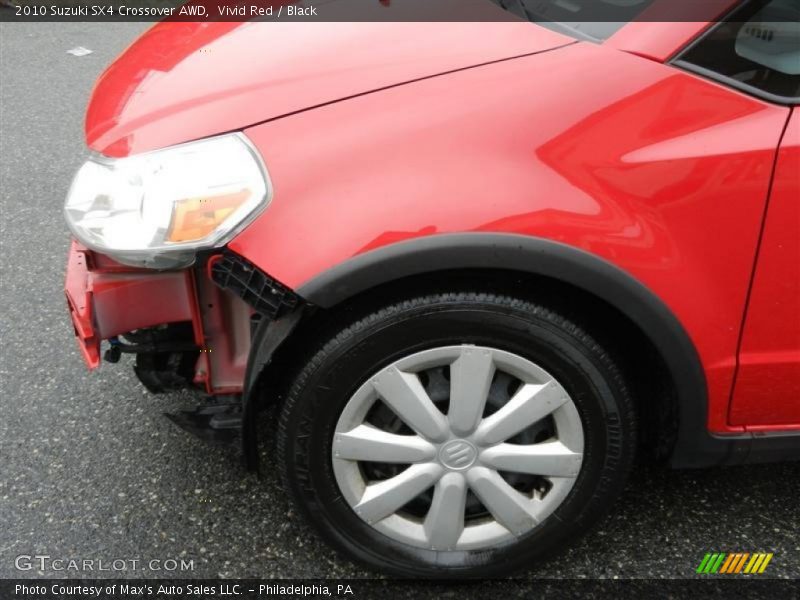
[466, 457]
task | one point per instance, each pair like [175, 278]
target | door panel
[767, 389]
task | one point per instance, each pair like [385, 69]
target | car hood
[183, 81]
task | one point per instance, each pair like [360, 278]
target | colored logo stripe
[703, 563]
[727, 564]
[737, 562]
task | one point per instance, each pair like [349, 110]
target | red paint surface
[183, 81]
[768, 381]
[658, 171]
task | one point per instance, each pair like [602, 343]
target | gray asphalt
[89, 467]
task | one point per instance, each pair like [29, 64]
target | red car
[478, 266]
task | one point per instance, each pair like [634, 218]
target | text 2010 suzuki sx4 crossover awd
[477, 266]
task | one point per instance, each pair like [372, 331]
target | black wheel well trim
[543, 257]
[695, 446]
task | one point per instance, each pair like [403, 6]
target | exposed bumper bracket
[264, 294]
[279, 310]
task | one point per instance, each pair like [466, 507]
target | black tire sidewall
[336, 372]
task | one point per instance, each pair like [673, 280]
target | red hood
[183, 81]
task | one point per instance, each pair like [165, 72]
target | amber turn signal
[195, 218]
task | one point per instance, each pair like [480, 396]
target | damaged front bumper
[188, 328]
[106, 299]
[162, 313]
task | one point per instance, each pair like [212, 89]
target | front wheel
[456, 435]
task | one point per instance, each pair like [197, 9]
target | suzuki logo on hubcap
[458, 455]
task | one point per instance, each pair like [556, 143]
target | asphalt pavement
[90, 468]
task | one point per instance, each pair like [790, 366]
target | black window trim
[678, 62]
[736, 84]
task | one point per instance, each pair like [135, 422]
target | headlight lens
[157, 209]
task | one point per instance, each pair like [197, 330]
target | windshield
[594, 20]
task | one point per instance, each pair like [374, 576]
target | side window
[756, 50]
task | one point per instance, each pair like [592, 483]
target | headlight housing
[157, 209]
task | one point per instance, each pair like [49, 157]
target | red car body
[607, 167]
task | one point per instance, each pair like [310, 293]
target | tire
[337, 383]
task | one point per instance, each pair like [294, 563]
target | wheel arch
[570, 266]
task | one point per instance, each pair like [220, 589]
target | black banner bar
[727, 588]
[364, 10]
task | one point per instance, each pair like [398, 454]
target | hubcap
[457, 448]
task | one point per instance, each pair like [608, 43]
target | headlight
[157, 209]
